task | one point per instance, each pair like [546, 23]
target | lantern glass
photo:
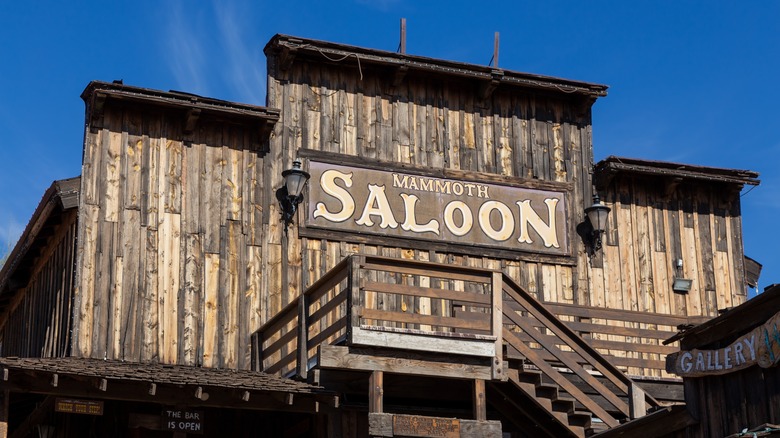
[295, 179]
[597, 215]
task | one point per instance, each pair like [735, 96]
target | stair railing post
[497, 320]
[353, 295]
[302, 367]
[637, 406]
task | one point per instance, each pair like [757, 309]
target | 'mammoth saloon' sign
[407, 205]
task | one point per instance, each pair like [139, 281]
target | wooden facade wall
[428, 122]
[38, 324]
[730, 403]
[182, 253]
[170, 240]
[433, 122]
[649, 229]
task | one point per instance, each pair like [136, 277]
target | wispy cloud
[185, 52]
[382, 5]
[10, 230]
[242, 70]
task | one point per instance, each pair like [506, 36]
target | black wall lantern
[291, 194]
[597, 216]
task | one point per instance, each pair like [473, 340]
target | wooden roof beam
[191, 120]
[670, 185]
[287, 57]
[400, 74]
[486, 89]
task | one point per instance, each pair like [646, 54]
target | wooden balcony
[387, 303]
[419, 318]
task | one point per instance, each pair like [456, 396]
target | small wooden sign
[183, 420]
[760, 346]
[418, 426]
[77, 406]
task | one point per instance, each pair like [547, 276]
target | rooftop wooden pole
[495, 50]
[403, 36]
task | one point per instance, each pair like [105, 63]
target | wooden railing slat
[619, 315]
[428, 292]
[326, 308]
[410, 318]
[279, 343]
[569, 336]
[327, 332]
[544, 341]
[450, 274]
[561, 380]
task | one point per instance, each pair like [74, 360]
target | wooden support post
[354, 300]
[495, 50]
[497, 327]
[376, 392]
[636, 400]
[4, 402]
[302, 367]
[480, 404]
[402, 48]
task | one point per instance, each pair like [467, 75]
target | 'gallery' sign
[406, 205]
[761, 346]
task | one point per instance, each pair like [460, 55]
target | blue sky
[690, 81]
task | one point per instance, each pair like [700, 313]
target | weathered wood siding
[428, 122]
[182, 253]
[730, 403]
[443, 122]
[650, 229]
[170, 240]
[38, 324]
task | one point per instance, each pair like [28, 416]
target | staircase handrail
[639, 400]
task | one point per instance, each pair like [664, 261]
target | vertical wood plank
[210, 304]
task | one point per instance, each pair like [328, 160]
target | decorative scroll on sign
[406, 205]
[761, 346]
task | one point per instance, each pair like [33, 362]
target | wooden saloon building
[438, 276]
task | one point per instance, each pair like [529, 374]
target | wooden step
[547, 390]
[564, 404]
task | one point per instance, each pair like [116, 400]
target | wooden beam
[302, 362]
[402, 362]
[287, 57]
[428, 343]
[480, 404]
[36, 417]
[636, 401]
[376, 392]
[400, 74]
[497, 312]
[191, 120]
[4, 403]
[403, 37]
[495, 50]
[165, 394]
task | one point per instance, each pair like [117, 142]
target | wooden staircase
[525, 357]
[555, 413]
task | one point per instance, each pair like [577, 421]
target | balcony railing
[371, 301]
